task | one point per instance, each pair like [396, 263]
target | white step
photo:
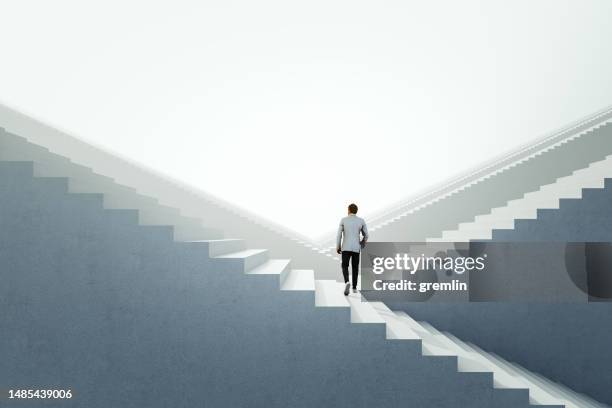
[506, 214]
[396, 327]
[514, 212]
[460, 236]
[569, 190]
[251, 258]
[299, 279]
[361, 310]
[430, 344]
[505, 223]
[413, 324]
[535, 202]
[328, 293]
[217, 247]
[280, 267]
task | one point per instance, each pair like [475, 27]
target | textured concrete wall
[126, 317]
[569, 343]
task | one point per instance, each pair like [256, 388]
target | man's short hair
[353, 208]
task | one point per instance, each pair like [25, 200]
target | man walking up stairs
[349, 242]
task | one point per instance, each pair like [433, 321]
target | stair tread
[215, 240]
[271, 267]
[361, 310]
[299, 279]
[242, 254]
[329, 293]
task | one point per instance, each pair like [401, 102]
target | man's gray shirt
[351, 226]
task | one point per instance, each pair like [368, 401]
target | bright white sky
[295, 109]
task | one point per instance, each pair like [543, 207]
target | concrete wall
[126, 317]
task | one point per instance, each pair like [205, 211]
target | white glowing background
[295, 109]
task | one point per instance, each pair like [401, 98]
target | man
[352, 228]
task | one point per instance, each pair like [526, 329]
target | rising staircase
[526, 207]
[507, 178]
[194, 221]
[511, 382]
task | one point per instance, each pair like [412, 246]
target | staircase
[507, 178]
[575, 209]
[186, 229]
[159, 200]
[192, 278]
[547, 197]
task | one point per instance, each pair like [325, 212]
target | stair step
[249, 258]
[432, 330]
[329, 293]
[362, 311]
[396, 327]
[413, 324]
[280, 267]
[218, 247]
[299, 279]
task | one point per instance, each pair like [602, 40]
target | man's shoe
[354, 290]
[347, 288]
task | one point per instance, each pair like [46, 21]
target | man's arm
[364, 232]
[339, 237]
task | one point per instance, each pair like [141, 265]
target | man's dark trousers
[354, 258]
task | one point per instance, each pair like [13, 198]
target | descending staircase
[547, 197]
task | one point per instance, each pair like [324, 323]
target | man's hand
[338, 251]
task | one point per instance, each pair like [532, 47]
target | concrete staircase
[174, 314]
[471, 359]
[507, 178]
[159, 200]
[547, 197]
[574, 209]
[197, 223]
